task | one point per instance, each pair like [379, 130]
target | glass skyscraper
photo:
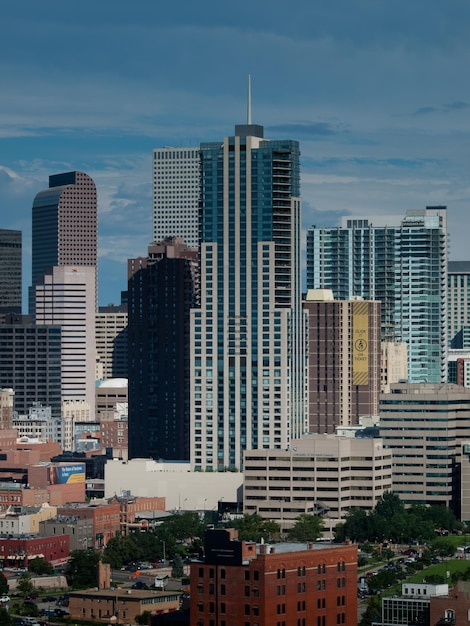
[248, 336]
[402, 263]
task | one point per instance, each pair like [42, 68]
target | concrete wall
[183, 490]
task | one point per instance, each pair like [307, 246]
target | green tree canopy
[25, 585]
[177, 570]
[81, 568]
[5, 618]
[389, 505]
[40, 566]
[306, 528]
[254, 528]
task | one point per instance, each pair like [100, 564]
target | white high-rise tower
[176, 194]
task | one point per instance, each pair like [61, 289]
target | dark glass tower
[162, 290]
[30, 363]
[10, 271]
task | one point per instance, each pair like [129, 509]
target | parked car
[4, 599]
[139, 585]
[49, 599]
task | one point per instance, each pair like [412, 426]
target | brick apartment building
[288, 584]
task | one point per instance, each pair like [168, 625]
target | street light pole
[164, 553]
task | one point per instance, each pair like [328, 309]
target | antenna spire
[248, 116]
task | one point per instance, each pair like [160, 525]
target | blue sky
[376, 92]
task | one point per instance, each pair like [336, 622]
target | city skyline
[374, 95]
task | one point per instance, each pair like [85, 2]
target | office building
[248, 366]
[38, 424]
[316, 476]
[401, 263]
[65, 224]
[79, 531]
[239, 583]
[465, 481]
[176, 194]
[6, 408]
[413, 606]
[30, 363]
[120, 606]
[393, 364]
[459, 304]
[65, 296]
[424, 426]
[10, 271]
[111, 341]
[162, 291]
[343, 360]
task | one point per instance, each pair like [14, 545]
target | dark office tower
[65, 224]
[30, 363]
[248, 337]
[10, 271]
[162, 290]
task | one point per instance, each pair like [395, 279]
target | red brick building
[106, 518]
[453, 608]
[19, 551]
[133, 509]
[287, 584]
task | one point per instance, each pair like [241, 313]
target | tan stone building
[124, 604]
[322, 475]
[424, 425]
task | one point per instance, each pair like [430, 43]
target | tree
[25, 585]
[40, 566]
[5, 618]
[254, 528]
[373, 613]
[443, 547]
[389, 505]
[177, 570]
[81, 568]
[357, 527]
[306, 528]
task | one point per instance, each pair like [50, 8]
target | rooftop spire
[249, 129]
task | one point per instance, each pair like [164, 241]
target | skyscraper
[344, 360]
[65, 224]
[111, 341]
[10, 271]
[30, 363]
[459, 304]
[64, 271]
[176, 194]
[65, 296]
[401, 263]
[162, 290]
[247, 337]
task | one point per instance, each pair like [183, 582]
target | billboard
[66, 474]
[360, 343]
